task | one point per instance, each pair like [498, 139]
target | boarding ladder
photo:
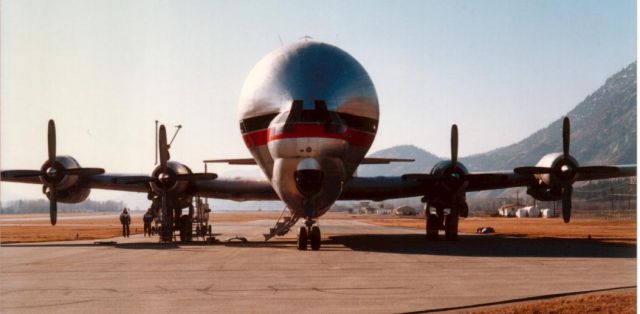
[283, 225]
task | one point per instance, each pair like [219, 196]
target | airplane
[308, 116]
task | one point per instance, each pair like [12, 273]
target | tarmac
[361, 268]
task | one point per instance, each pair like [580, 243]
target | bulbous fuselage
[306, 101]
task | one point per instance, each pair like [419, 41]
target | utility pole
[611, 194]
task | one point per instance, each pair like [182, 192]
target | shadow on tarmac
[467, 245]
[484, 246]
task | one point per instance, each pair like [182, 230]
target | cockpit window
[319, 114]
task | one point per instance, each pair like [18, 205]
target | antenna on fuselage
[306, 38]
[280, 39]
[178, 127]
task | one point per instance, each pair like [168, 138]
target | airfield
[365, 266]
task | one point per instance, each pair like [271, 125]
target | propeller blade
[53, 204]
[532, 170]
[566, 203]
[196, 177]
[598, 169]
[21, 173]
[454, 147]
[163, 147]
[566, 132]
[133, 180]
[51, 140]
[83, 171]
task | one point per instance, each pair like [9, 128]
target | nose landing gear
[309, 234]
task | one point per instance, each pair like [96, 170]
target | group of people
[147, 219]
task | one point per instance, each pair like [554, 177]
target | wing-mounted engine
[69, 188]
[61, 176]
[556, 173]
[446, 187]
[170, 181]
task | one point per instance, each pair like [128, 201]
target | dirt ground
[610, 302]
[36, 227]
[602, 230]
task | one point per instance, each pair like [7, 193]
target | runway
[361, 268]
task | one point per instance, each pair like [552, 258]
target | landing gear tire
[185, 229]
[315, 238]
[451, 226]
[433, 224]
[303, 238]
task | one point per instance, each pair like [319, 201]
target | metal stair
[281, 227]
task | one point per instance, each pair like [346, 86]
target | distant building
[508, 210]
[366, 208]
[405, 211]
[548, 213]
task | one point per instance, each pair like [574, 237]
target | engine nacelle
[70, 189]
[555, 161]
[170, 186]
[444, 168]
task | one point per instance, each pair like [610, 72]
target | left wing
[412, 185]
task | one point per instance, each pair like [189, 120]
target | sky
[106, 70]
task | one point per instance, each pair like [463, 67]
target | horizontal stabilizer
[236, 161]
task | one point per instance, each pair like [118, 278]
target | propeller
[566, 170]
[52, 172]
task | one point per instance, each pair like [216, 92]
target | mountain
[424, 161]
[603, 131]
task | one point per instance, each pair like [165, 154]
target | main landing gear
[309, 233]
[439, 220]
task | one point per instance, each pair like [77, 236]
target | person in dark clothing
[125, 220]
[147, 219]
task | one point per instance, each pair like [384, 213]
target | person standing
[147, 219]
[125, 220]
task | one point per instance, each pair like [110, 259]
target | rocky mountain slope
[604, 131]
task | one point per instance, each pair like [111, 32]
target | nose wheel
[309, 234]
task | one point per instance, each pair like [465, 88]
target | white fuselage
[308, 100]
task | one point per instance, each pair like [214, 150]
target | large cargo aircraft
[308, 115]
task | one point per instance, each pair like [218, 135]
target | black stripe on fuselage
[351, 121]
[256, 123]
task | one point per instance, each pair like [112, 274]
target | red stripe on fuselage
[302, 130]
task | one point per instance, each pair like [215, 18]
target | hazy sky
[105, 70]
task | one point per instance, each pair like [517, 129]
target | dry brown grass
[603, 230]
[98, 226]
[107, 226]
[613, 302]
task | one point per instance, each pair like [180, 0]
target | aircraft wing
[412, 185]
[237, 189]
